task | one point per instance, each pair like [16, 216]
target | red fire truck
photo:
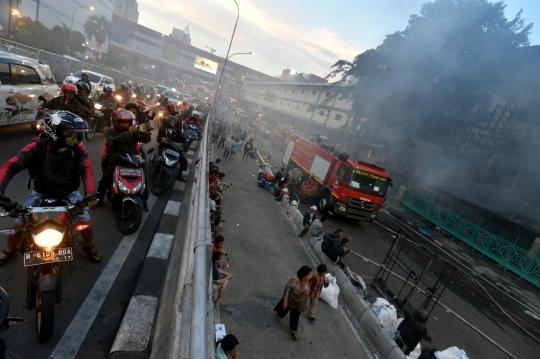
[348, 187]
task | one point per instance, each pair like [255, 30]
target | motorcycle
[125, 192]
[99, 121]
[48, 238]
[5, 321]
[191, 134]
[162, 166]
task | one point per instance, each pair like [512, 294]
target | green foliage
[99, 28]
[421, 81]
[116, 59]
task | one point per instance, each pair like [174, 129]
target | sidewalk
[265, 253]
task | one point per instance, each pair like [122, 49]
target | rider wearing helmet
[83, 94]
[122, 137]
[171, 131]
[171, 109]
[66, 102]
[412, 329]
[57, 164]
[193, 119]
[183, 106]
[106, 99]
[123, 95]
[85, 78]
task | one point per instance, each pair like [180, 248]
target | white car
[23, 81]
[97, 80]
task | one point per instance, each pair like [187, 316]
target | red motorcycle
[125, 193]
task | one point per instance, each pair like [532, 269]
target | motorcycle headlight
[122, 187]
[118, 97]
[98, 106]
[49, 238]
[138, 187]
[169, 162]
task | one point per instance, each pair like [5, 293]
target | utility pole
[9, 20]
[37, 10]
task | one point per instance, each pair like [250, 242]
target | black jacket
[123, 142]
[328, 240]
[411, 331]
[175, 136]
[73, 106]
[54, 173]
[335, 252]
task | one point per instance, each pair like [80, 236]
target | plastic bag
[330, 294]
[386, 313]
[452, 353]
[416, 352]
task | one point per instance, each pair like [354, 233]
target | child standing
[316, 284]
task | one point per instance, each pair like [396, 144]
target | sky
[303, 35]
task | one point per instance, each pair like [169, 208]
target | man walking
[309, 217]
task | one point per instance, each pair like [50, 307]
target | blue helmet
[108, 89]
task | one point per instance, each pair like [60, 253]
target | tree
[31, 33]
[99, 28]
[61, 35]
[421, 81]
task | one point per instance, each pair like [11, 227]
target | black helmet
[83, 86]
[84, 73]
[168, 121]
[123, 86]
[56, 121]
[421, 315]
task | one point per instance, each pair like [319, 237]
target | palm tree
[99, 28]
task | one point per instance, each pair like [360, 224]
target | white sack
[330, 294]
[386, 313]
[452, 353]
[416, 352]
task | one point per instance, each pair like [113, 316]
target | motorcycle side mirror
[151, 150]
[42, 99]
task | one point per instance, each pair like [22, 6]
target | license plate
[130, 172]
[44, 257]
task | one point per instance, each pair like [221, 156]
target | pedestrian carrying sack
[301, 307]
[330, 294]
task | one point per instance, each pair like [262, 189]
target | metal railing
[62, 66]
[518, 260]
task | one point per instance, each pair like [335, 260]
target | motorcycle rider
[58, 164]
[171, 131]
[122, 95]
[138, 92]
[171, 110]
[66, 102]
[122, 137]
[193, 119]
[109, 104]
[85, 78]
[183, 106]
[83, 96]
[137, 107]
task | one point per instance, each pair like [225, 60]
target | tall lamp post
[91, 8]
[226, 59]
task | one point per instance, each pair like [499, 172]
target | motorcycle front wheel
[92, 124]
[161, 183]
[45, 315]
[128, 217]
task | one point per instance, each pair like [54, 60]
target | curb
[134, 335]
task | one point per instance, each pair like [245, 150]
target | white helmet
[196, 113]
[130, 83]
[294, 204]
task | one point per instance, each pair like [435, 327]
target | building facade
[321, 103]
[128, 9]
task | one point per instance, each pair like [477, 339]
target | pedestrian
[338, 251]
[228, 145]
[247, 149]
[284, 180]
[316, 226]
[316, 284]
[279, 175]
[411, 330]
[309, 217]
[228, 348]
[235, 147]
[294, 300]
[219, 242]
[223, 137]
[220, 279]
[330, 238]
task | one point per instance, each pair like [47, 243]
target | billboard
[205, 65]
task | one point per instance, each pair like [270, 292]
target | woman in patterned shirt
[296, 292]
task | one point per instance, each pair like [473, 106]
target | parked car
[97, 80]
[22, 81]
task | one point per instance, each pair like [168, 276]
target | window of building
[297, 107]
[288, 105]
[313, 93]
[338, 117]
[328, 94]
[321, 113]
[302, 92]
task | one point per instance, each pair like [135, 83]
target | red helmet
[69, 88]
[122, 119]
[140, 104]
[170, 107]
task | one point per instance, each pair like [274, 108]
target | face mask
[70, 140]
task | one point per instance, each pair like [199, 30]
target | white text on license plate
[43, 257]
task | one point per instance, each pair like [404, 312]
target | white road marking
[180, 185]
[191, 153]
[189, 160]
[172, 208]
[74, 335]
[161, 246]
[136, 325]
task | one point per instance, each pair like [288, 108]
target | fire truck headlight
[342, 208]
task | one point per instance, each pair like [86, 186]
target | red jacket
[312, 282]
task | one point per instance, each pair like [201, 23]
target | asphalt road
[103, 288]
[462, 295]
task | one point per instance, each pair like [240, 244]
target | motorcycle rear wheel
[161, 183]
[128, 217]
[45, 315]
[92, 124]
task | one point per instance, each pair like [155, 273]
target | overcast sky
[306, 35]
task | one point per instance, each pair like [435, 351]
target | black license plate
[44, 257]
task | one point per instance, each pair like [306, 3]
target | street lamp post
[218, 97]
[91, 8]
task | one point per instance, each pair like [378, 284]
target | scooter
[126, 191]
[5, 321]
[193, 133]
[162, 166]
